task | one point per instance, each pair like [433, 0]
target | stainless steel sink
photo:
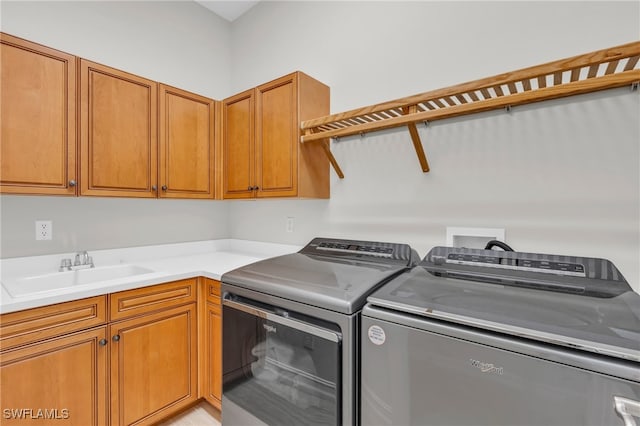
[24, 286]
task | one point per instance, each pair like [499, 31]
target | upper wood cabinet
[118, 137]
[74, 127]
[186, 144]
[238, 146]
[262, 154]
[38, 110]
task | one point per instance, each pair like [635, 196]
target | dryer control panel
[359, 250]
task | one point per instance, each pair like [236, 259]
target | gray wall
[178, 43]
[90, 223]
[560, 176]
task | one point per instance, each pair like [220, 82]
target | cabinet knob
[72, 183]
[256, 188]
[116, 338]
[164, 187]
[154, 188]
[250, 188]
[103, 342]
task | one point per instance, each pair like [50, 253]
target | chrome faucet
[82, 261]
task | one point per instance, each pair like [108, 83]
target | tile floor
[202, 414]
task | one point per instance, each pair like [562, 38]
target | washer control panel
[532, 265]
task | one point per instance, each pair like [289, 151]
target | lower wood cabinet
[214, 355]
[153, 365]
[138, 367]
[211, 345]
[60, 381]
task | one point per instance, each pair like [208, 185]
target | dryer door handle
[288, 322]
[627, 409]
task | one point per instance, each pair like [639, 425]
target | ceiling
[229, 10]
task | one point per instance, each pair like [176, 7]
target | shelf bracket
[324, 143]
[332, 159]
[415, 138]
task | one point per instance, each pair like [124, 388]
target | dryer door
[277, 369]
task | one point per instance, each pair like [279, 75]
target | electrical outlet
[44, 230]
[290, 221]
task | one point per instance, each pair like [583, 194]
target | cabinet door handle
[154, 188]
[116, 338]
[164, 187]
[251, 188]
[103, 342]
[256, 188]
[72, 183]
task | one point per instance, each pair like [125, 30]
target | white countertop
[169, 262]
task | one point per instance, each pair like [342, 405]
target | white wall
[174, 42]
[178, 43]
[376, 51]
[560, 176]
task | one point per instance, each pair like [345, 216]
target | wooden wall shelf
[603, 69]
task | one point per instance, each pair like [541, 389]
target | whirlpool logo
[486, 367]
[269, 328]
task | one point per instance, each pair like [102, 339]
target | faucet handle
[65, 265]
[82, 258]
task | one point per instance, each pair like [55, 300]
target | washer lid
[606, 325]
[332, 274]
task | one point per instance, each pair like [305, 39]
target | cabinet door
[277, 138]
[118, 135]
[213, 354]
[153, 365]
[62, 381]
[38, 110]
[238, 150]
[186, 144]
